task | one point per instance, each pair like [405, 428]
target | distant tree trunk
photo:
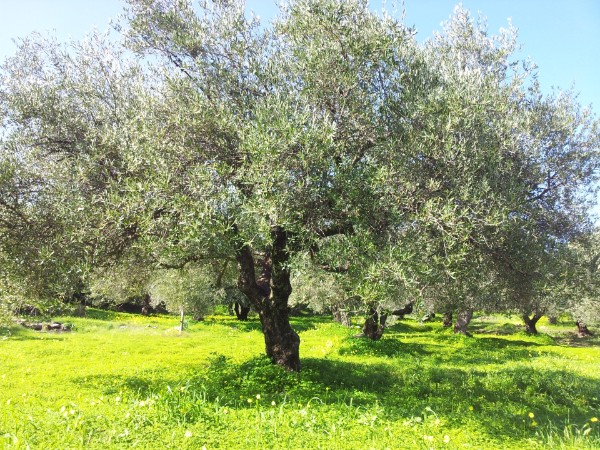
[531, 323]
[341, 316]
[447, 319]
[241, 311]
[462, 322]
[406, 309]
[146, 306]
[181, 320]
[552, 320]
[269, 295]
[374, 324]
[582, 329]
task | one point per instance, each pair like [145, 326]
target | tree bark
[374, 324]
[241, 311]
[582, 329]
[447, 319]
[406, 309]
[269, 294]
[462, 322]
[530, 324]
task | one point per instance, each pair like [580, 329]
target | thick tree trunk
[374, 324]
[241, 311]
[269, 294]
[281, 341]
[530, 324]
[582, 329]
[462, 322]
[447, 319]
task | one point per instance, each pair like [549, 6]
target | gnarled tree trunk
[269, 294]
[530, 324]
[406, 309]
[462, 322]
[447, 319]
[582, 329]
[282, 342]
[374, 324]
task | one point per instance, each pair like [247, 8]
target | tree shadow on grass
[447, 349]
[493, 328]
[102, 314]
[233, 383]
[20, 333]
[502, 343]
[140, 386]
[571, 339]
[305, 323]
[388, 347]
[498, 401]
[299, 324]
[409, 327]
[243, 325]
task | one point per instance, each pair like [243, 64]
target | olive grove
[329, 139]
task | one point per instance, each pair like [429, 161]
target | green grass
[123, 381]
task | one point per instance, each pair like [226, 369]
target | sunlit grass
[124, 381]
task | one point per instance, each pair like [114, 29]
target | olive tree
[582, 288]
[66, 112]
[512, 172]
[279, 130]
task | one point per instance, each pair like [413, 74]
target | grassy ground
[121, 381]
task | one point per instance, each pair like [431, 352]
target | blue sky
[561, 36]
